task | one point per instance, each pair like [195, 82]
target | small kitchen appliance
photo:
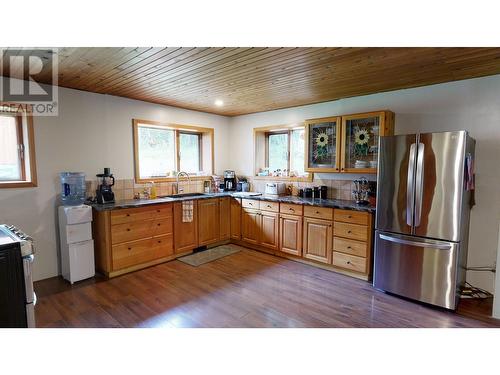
[104, 193]
[275, 188]
[229, 181]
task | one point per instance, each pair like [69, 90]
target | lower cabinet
[132, 238]
[185, 233]
[318, 236]
[290, 234]
[208, 221]
[269, 228]
[250, 226]
[235, 217]
[260, 228]
[225, 218]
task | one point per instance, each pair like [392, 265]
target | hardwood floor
[246, 289]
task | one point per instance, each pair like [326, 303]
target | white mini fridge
[77, 245]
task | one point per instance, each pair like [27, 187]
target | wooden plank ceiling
[258, 79]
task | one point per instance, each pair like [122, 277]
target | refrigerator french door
[422, 216]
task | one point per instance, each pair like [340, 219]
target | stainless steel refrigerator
[425, 182]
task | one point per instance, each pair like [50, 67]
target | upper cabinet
[323, 144]
[347, 144]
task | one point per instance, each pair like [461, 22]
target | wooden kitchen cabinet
[185, 234]
[129, 239]
[322, 146]
[224, 218]
[208, 221]
[352, 241]
[318, 238]
[250, 226]
[360, 135]
[346, 144]
[235, 217]
[290, 234]
[269, 228]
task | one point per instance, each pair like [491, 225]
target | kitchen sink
[184, 195]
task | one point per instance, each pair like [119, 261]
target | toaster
[275, 188]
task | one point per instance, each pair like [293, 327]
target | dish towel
[187, 211]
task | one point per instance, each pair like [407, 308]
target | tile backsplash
[126, 188]
[337, 189]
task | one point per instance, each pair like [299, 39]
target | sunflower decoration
[361, 138]
[322, 139]
[321, 149]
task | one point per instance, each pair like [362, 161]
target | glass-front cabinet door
[323, 144]
[360, 135]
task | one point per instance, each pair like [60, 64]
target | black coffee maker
[229, 181]
[105, 181]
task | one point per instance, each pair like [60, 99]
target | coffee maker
[105, 181]
[229, 181]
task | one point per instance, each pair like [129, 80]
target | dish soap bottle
[152, 194]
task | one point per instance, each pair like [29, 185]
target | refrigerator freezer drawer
[417, 268]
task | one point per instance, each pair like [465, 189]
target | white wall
[92, 131]
[473, 105]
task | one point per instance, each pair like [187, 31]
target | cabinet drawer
[269, 206]
[163, 246]
[352, 247]
[130, 231]
[318, 212]
[349, 262]
[349, 216]
[131, 214]
[354, 231]
[132, 253]
[250, 203]
[162, 226]
[291, 209]
[161, 211]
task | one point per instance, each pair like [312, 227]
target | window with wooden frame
[162, 150]
[17, 149]
[280, 148]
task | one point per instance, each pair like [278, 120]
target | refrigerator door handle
[419, 185]
[410, 185]
[415, 243]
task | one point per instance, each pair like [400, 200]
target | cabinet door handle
[268, 206]
[348, 262]
[159, 241]
[128, 229]
[128, 215]
[349, 247]
[130, 248]
[158, 224]
[317, 212]
[349, 231]
[291, 209]
[349, 217]
[158, 210]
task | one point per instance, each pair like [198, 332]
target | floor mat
[209, 255]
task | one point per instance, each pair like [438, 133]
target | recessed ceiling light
[219, 103]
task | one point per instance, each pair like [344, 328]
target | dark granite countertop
[333, 203]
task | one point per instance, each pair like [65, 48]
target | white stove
[11, 234]
[18, 304]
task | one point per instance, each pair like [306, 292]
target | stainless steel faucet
[177, 185]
